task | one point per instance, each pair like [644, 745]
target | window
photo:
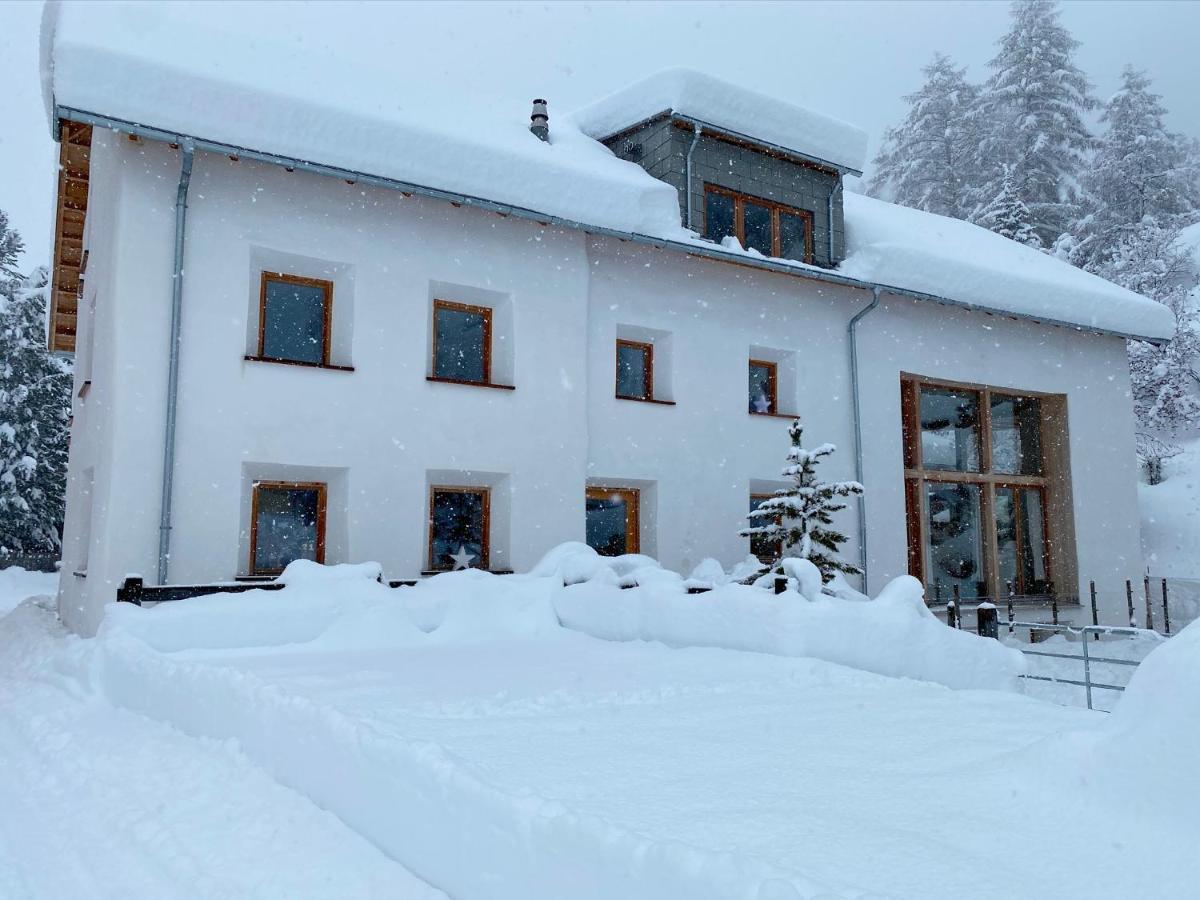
[287, 522]
[770, 228]
[975, 490]
[764, 387]
[462, 343]
[635, 370]
[294, 319]
[612, 521]
[458, 528]
[765, 547]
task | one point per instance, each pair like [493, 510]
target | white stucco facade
[381, 434]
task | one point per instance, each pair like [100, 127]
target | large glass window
[462, 342]
[976, 489]
[1016, 435]
[294, 319]
[770, 228]
[287, 523]
[635, 370]
[955, 525]
[612, 520]
[950, 429]
[763, 387]
[458, 528]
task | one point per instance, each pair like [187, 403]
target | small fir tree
[800, 517]
[35, 409]
[1009, 217]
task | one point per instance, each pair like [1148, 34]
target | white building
[416, 339]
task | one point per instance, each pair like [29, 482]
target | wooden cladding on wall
[74, 164]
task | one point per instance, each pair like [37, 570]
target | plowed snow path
[98, 802]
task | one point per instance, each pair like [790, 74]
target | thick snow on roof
[700, 96]
[902, 247]
[175, 68]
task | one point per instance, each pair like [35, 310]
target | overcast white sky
[852, 59]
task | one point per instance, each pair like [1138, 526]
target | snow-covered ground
[16, 584]
[458, 731]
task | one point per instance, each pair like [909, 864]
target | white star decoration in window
[462, 559]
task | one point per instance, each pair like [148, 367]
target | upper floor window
[462, 342]
[294, 319]
[763, 225]
[635, 370]
[764, 391]
[287, 522]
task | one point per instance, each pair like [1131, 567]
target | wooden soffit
[74, 164]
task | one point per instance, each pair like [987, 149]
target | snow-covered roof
[177, 69]
[683, 92]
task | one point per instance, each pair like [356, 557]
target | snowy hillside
[330, 738]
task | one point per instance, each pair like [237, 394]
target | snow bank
[893, 635]
[1147, 755]
[180, 68]
[16, 584]
[699, 96]
[915, 250]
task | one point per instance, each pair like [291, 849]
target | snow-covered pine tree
[927, 161]
[35, 408]
[1034, 105]
[801, 516]
[1007, 215]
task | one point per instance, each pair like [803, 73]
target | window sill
[647, 400]
[483, 384]
[296, 362]
[429, 573]
[776, 415]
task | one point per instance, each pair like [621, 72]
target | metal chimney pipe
[539, 120]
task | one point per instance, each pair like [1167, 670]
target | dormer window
[768, 227]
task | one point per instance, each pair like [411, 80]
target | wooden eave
[70, 218]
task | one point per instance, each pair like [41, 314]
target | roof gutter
[168, 470]
[856, 403]
[703, 250]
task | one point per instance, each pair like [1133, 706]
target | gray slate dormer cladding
[660, 146]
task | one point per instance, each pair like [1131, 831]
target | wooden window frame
[916, 477]
[778, 519]
[322, 495]
[1019, 589]
[633, 511]
[739, 219]
[485, 544]
[647, 349]
[773, 385]
[486, 313]
[327, 331]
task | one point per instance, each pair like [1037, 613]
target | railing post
[1087, 670]
[957, 606]
[781, 583]
[1008, 584]
[1129, 602]
[987, 622]
[1166, 610]
[1149, 603]
[1095, 611]
[1053, 606]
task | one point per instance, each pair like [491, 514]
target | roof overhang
[70, 219]
[702, 249]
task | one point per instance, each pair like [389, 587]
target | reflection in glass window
[635, 366]
[762, 387]
[757, 228]
[612, 521]
[949, 429]
[294, 319]
[462, 342]
[955, 543]
[288, 525]
[1021, 540]
[763, 546]
[718, 216]
[1016, 435]
[458, 528]
[793, 236]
